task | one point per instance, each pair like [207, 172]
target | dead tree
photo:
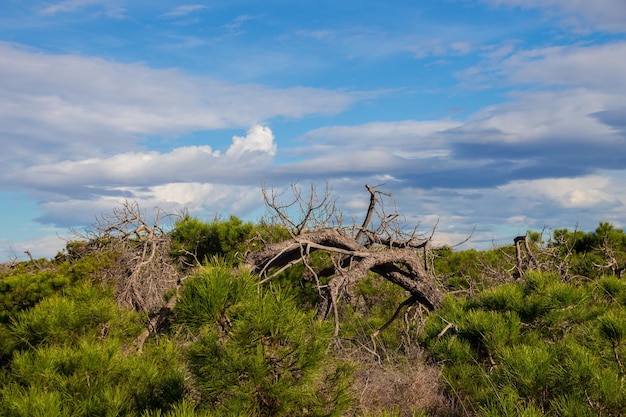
[525, 260]
[380, 246]
[143, 271]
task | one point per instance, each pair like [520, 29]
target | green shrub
[540, 346]
[69, 357]
[206, 296]
[506, 297]
[468, 268]
[525, 367]
[613, 289]
[23, 290]
[85, 311]
[258, 353]
[92, 379]
[195, 241]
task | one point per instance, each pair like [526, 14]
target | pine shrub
[258, 353]
[540, 346]
[92, 379]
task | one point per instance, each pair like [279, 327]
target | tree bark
[401, 266]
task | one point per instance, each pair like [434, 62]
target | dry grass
[408, 386]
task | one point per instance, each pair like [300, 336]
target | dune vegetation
[301, 315]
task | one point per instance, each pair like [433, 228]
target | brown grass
[407, 386]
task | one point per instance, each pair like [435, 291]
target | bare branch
[144, 271]
[379, 245]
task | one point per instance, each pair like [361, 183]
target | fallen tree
[380, 246]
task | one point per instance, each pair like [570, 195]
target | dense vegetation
[549, 340]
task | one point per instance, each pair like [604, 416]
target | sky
[491, 116]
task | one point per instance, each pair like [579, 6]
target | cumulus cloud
[242, 162]
[204, 181]
[259, 142]
[85, 106]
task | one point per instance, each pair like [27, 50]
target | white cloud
[501, 213]
[84, 106]
[561, 90]
[390, 132]
[608, 15]
[589, 192]
[259, 140]
[601, 67]
[46, 246]
[563, 116]
[407, 139]
[184, 10]
[425, 39]
[68, 6]
[462, 48]
[246, 155]
[205, 200]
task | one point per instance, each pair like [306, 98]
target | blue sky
[498, 115]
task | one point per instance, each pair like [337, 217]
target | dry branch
[144, 271]
[354, 251]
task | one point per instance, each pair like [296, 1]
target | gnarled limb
[355, 251]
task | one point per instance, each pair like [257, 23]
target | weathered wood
[401, 266]
[355, 251]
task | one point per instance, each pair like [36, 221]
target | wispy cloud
[608, 15]
[110, 7]
[598, 66]
[184, 10]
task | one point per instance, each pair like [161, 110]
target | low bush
[541, 346]
[70, 357]
[257, 352]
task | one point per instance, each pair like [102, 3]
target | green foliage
[195, 241]
[549, 344]
[595, 253]
[68, 359]
[540, 346]
[258, 353]
[92, 379]
[23, 290]
[85, 311]
[613, 289]
[20, 291]
[472, 268]
[91, 267]
[206, 296]
[612, 326]
[184, 408]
